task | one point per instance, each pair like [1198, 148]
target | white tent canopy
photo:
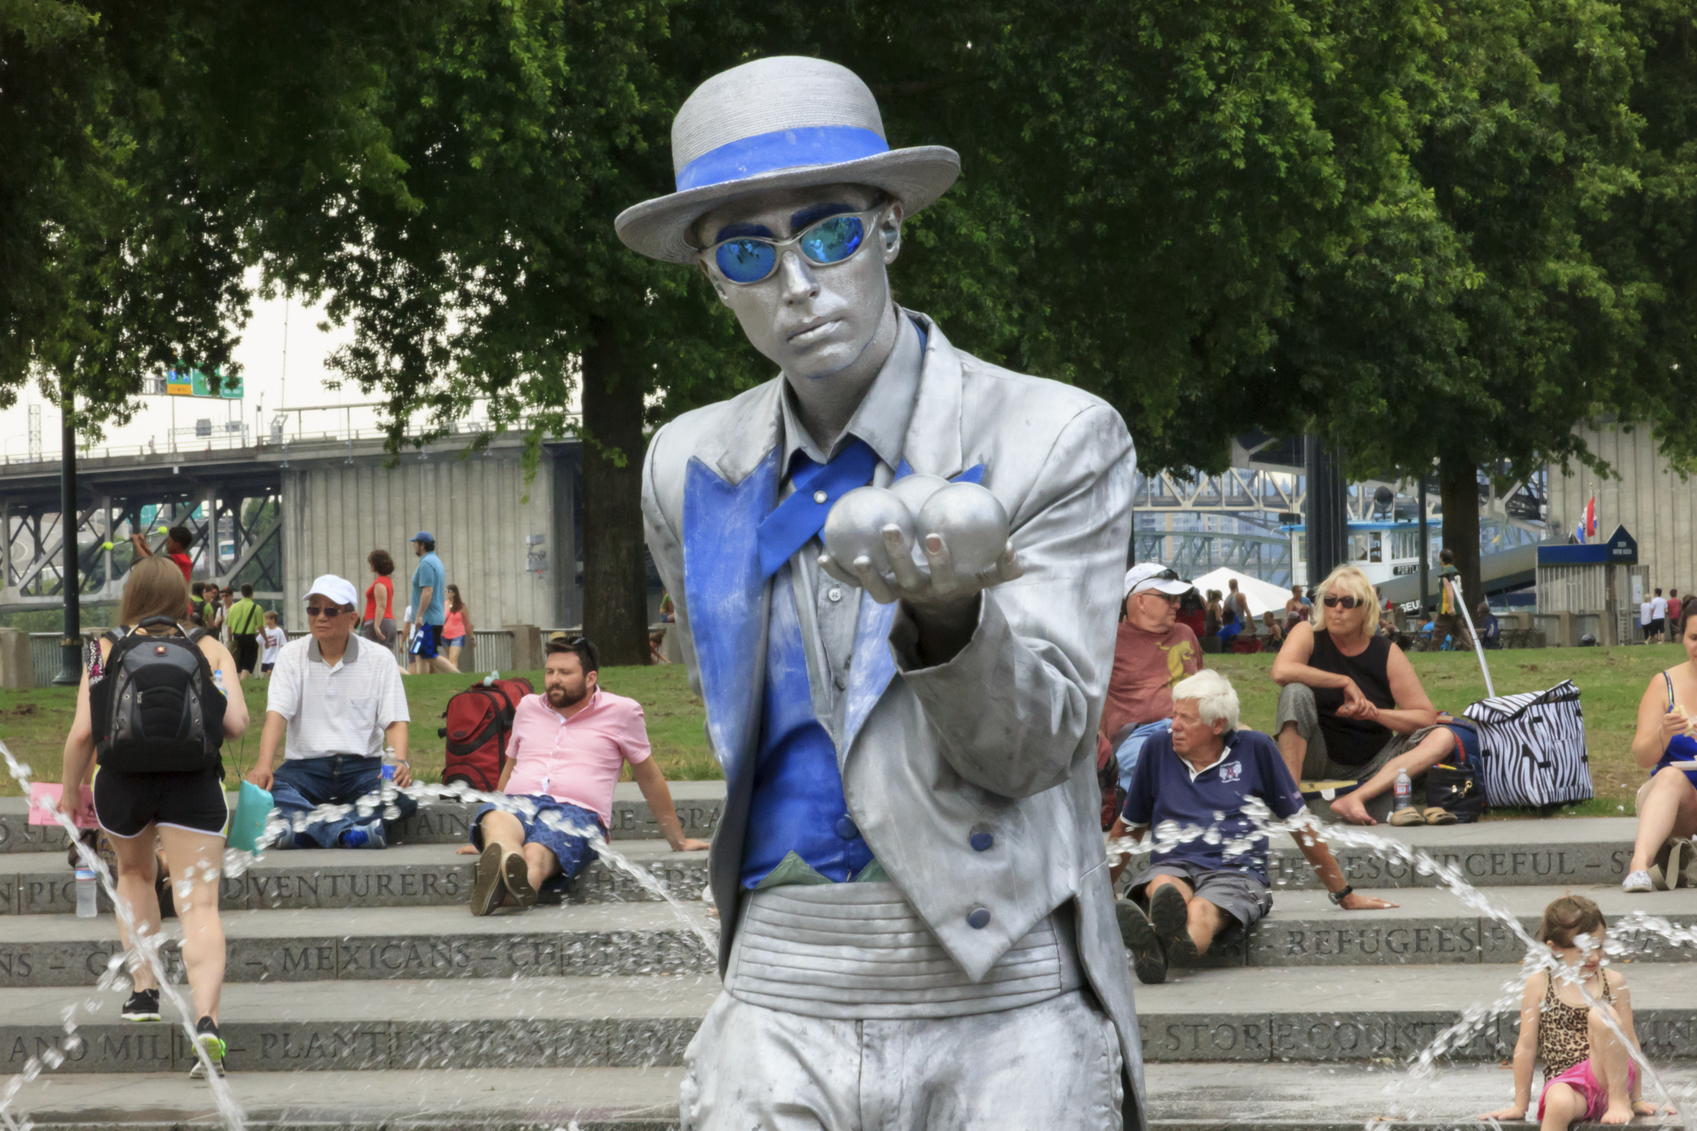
[1263, 595]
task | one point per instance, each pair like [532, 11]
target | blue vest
[797, 803]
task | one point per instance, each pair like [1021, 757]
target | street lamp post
[70, 645]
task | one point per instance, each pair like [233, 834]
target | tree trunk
[615, 573]
[1458, 491]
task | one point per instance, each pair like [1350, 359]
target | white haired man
[933, 840]
[1201, 776]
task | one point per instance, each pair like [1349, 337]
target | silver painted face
[813, 322]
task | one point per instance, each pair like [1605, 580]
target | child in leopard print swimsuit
[1588, 1074]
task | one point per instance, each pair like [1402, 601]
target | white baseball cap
[1152, 577]
[338, 589]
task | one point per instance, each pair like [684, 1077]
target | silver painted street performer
[895, 569]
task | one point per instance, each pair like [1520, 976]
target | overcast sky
[270, 384]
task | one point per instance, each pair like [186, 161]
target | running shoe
[1638, 881]
[1171, 916]
[1148, 960]
[142, 1006]
[209, 1042]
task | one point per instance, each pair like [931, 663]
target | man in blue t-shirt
[429, 609]
[1208, 873]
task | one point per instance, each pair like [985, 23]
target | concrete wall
[1656, 506]
[337, 512]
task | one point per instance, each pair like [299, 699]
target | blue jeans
[300, 784]
[1130, 752]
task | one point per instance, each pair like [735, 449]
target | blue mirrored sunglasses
[752, 259]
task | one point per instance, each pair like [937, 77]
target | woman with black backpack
[153, 714]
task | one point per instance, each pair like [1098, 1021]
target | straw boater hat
[780, 123]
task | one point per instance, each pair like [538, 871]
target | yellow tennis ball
[106, 545]
[164, 530]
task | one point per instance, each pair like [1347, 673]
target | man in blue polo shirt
[1192, 786]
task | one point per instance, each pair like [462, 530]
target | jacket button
[820, 496]
[846, 828]
[978, 918]
[982, 841]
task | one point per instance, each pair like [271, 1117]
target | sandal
[1407, 817]
[1438, 815]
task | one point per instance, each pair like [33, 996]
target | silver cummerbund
[860, 951]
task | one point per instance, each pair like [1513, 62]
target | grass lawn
[33, 723]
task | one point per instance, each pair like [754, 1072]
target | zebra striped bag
[1533, 747]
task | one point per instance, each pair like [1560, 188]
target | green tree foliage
[115, 259]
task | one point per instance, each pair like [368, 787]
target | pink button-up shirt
[576, 760]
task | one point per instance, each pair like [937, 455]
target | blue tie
[817, 486]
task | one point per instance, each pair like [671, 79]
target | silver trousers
[1055, 1065]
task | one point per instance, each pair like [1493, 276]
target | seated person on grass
[1350, 702]
[1196, 778]
[567, 748]
[1453, 740]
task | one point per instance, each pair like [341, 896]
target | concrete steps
[390, 943]
[406, 875]
[1252, 1015]
[364, 969]
[697, 803]
[1183, 1097]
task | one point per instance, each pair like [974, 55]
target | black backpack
[156, 710]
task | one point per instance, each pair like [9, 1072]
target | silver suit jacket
[1001, 738]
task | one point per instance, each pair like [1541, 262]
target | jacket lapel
[932, 445]
[728, 599]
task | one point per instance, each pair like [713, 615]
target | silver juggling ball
[972, 522]
[855, 526]
[915, 489]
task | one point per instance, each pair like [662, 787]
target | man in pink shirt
[567, 748]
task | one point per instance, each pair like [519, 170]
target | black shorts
[247, 653]
[126, 803]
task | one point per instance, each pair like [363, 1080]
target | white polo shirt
[336, 709]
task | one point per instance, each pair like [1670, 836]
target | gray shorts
[1295, 705]
[1238, 894]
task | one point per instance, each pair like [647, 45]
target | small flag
[1591, 517]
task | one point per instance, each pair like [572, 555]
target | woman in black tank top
[1364, 690]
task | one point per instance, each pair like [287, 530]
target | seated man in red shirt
[567, 748]
[177, 542]
[1152, 651]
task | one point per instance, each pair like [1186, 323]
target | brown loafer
[515, 876]
[487, 889]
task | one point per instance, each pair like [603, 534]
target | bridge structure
[1196, 524]
[278, 510]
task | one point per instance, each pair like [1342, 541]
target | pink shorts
[1582, 1080]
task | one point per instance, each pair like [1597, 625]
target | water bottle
[386, 787]
[218, 681]
[86, 908]
[1404, 789]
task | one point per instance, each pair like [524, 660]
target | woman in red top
[456, 629]
[378, 623]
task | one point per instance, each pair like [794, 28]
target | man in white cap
[339, 700]
[1152, 652]
[907, 723]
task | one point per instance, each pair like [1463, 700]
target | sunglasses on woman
[745, 260]
[1345, 602]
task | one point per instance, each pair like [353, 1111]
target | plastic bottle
[86, 886]
[218, 681]
[386, 785]
[1404, 789]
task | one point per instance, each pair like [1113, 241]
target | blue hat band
[778, 150]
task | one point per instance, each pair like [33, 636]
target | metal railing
[309, 424]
